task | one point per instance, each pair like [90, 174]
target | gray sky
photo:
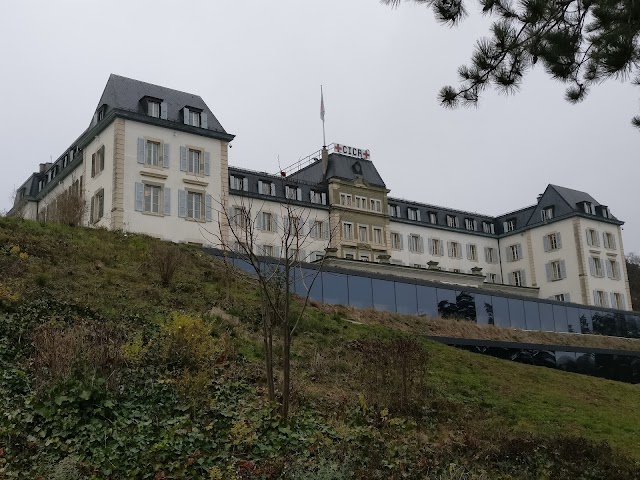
[259, 66]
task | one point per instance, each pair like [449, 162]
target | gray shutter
[519, 248]
[102, 158]
[204, 121]
[278, 252]
[260, 182]
[468, 251]
[302, 255]
[586, 232]
[563, 269]
[595, 295]
[299, 194]
[460, 250]
[273, 189]
[524, 278]
[208, 208]
[417, 214]
[558, 240]
[183, 159]
[163, 110]
[259, 223]
[140, 150]
[245, 184]
[613, 300]
[613, 240]
[207, 163]
[182, 203]
[592, 267]
[421, 244]
[486, 254]
[449, 248]
[441, 252]
[93, 165]
[185, 115]
[285, 224]
[545, 241]
[606, 300]
[511, 279]
[609, 270]
[401, 237]
[92, 208]
[139, 197]
[167, 201]
[504, 226]
[325, 227]
[597, 239]
[324, 198]
[94, 120]
[165, 155]
[549, 272]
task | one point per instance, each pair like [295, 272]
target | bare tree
[275, 266]
[69, 207]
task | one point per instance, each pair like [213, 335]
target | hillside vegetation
[110, 371]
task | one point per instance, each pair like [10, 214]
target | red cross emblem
[338, 148]
[366, 155]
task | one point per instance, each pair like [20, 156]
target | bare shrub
[62, 350]
[70, 208]
[393, 374]
[165, 260]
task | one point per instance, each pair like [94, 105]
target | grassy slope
[111, 273]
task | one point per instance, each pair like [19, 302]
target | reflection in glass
[307, 282]
[427, 301]
[603, 323]
[586, 325]
[633, 326]
[585, 363]
[532, 315]
[466, 306]
[620, 323]
[566, 361]
[560, 318]
[406, 300]
[546, 317]
[573, 320]
[384, 295]
[484, 310]
[335, 288]
[501, 311]
[360, 292]
[516, 311]
[446, 302]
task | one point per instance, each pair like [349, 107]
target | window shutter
[563, 269]
[613, 300]
[260, 224]
[94, 120]
[498, 278]
[468, 252]
[325, 227]
[278, 252]
[92, 208]
[519, 248]
[545, 241]
[207, 164]
[285, 224]
[486, 254]
[430, 245]
[511, 278]
[441, 249]
[208, 208]
[182, 203]
[613, 242]
[549, 272]
[93, 165]
[400, 237]
[459, 250]
[606, 300]
[524, 278]
[139, 197]
[504, 226]
[299, 194]
[592, 267]
[167, 201]
[595, 296]
[260, 182]
[588, 239]
[623, 305]
[163, 110]
[273, 189]
[245, 184]
[609, 270]
[183, 159]
[302, 255]
[324, 198]
[449, 248]
[421, 244]
[418, 215]
[140, 150]
[185, 115]
[102, 158]
[204, 121]
[597, 239]
[558, 240]
[165, 155]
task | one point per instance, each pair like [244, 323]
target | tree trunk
[267, 337]
[286, 357]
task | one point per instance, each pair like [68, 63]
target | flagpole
[324, 138]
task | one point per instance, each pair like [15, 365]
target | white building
[155, 160]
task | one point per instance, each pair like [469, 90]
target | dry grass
[464, 329]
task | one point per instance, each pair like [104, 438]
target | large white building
[155, 161]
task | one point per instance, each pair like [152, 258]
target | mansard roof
[342, 167]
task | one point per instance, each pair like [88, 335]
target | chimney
[539, 197]
[325, 162]
[41, 168]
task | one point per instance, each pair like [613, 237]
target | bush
[166, 259]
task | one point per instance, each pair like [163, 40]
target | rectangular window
[267, 250]
[153, 154]
[599, 298]
[488, 227]
[518, 278]
[556, 270]
[194, 118]
[546, 213]
[266, 222]
[376, 205]
[413, 214]
[317, 230]
[153, 109]
[609, 241]
[345, 199]
[490, 255]
[152, 195]
[455, 250]
[317, 197]
[195, 206]
[266, 188]
[589, 208]
[347, 231]
[560, 297]
[472, 252]
[377, 235]
[436, 247]
[361, 203]
[236, 183]
[294, 225]
[613, 269]
[510, 225]
[552, 242]
[194, 163]
[617, 301]
[349, 256]
[97, 206]
[596, 267]
[396, 242]
[364, 258]
[514, 252]
[97, 163]
[470, 224]
[414, 244]
[433, 218]
[452, 221]
[593, 239]
[394, 211]
[363, 233]
[492, 278]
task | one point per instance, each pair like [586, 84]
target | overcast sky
[259, 66]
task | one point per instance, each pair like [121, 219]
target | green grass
[478, 395]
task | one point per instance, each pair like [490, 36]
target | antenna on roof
[324, 138]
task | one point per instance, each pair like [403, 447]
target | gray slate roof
[125, 94]
[341, 166]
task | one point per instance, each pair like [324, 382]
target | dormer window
[510, 225]
[433, 218]
[101, 114]
[194, 117]
[488, 227]
[602, 211]
[547, 213]
[470, 224]
[452, 221]
[413, 214]
[153, 108]
[588, 207]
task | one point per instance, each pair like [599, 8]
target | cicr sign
[352, 151]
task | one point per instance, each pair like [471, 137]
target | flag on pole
[321, 104]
